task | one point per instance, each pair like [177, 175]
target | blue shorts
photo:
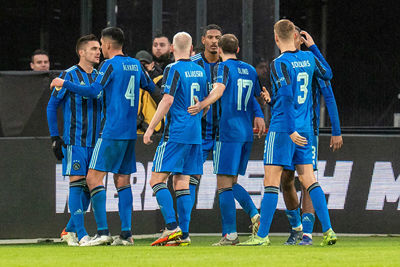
[116, 156]
[304, 154]
[178, 158]
[231, 158]
[76, 160]
[278, 149]
[207, 146]
[314, 148]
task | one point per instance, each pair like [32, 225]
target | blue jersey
[183, 80]
[209, 122]
[81, 114]
[120, 79]
[237, 101]
[291, 99]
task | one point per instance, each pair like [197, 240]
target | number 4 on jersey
[130, 91]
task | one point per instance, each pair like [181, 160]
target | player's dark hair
[284, 28]
[39, 52]
[161, 35]
[83, 41]
[211, 27]
[115, 34]
[229, 43]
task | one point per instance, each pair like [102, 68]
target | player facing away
[208, 61]
[302, 226]
[179, 151]
[81, 129]
[120, 78]
[236, 84]
[291, 76]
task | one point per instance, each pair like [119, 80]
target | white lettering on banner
[336, 187]
[384, 187]
[207, 187]
[62, 190]
[150, 201]
[253, 181]
[138, 187]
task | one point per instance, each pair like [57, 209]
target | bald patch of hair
[182, 41]
[284, 28]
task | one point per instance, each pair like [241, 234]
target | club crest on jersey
[76, 166]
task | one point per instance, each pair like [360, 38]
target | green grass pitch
[349, 251]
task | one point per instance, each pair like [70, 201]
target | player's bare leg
[308, 217]
[307, 178]
[292, 207]
[125, 201]
[172, 231]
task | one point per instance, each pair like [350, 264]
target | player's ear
[238, 49]
[31, 65]
[191, 49]
[172, 48]
[203, 39]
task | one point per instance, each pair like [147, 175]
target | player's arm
[56, 99]
[162, 109]
[309, 42]
[218, 90]
[259, 122]
[330, 102]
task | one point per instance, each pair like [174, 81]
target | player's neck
[86, 66]
[179, 56]
[289, 46]
[113, 53]
[211, 58]
[225, 57]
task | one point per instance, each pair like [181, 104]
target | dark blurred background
[357, 37]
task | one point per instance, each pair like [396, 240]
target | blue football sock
[308, 220]
[184, 208]
[319, 203]
[70, 226]
[244, 199]
[125, 207]
[98, 196]
[228, 210]
[166, 204]
[294, 217]
[75, 207]
[193, 186]
[268, 207]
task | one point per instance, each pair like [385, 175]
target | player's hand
[259, 124]
[336, 142]
[56, 144]
[147, 136]
[196, 108]
[265, 95]
[306, 38]
[298, 139]
[57, 83]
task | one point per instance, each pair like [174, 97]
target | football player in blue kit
[236, 86]
[302, 225]
[291, 76]
[179, 151]
[119, 79]
[208, 60]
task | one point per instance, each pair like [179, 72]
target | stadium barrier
[361, 183]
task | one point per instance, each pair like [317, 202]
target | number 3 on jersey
[130, 91]
[302, 76]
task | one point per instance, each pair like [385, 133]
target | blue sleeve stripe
[174, 83]
[226, 74]
[214, 74]
[104, 111]
[319, 66]
[285, 73]
[94, 122]
[107, 75]
[200, 63]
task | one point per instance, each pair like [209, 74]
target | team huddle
[210, 102]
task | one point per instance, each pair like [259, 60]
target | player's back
[241, 81]
[81, 115]
[121, 81]
[183, 80]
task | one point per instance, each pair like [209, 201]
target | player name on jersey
[243, 71]
[301, 64]
[130, 67]
[193, 73]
